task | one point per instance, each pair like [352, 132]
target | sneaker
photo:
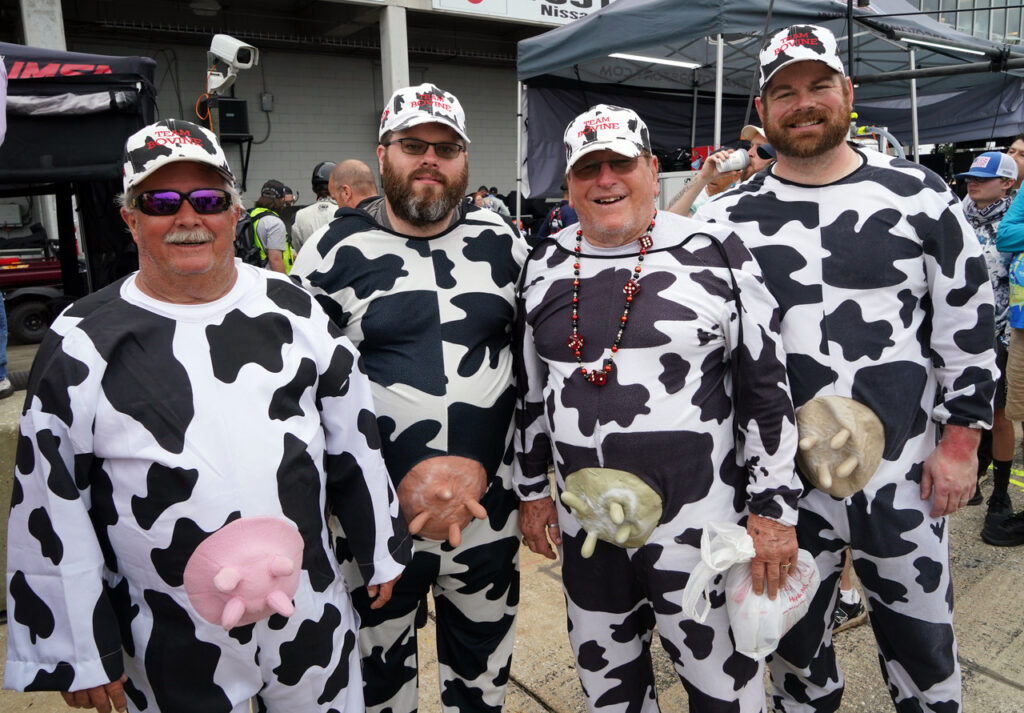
[1008, 533]
[847, 616]
[6, 388]
[999, 508]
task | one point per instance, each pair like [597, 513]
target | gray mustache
[198, 235]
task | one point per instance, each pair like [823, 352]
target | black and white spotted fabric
[432, 319]
[885, 298]
[682, 381]
[148, 427]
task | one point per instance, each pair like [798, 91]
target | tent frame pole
[719, 67]
[913, 107]
[519, 152]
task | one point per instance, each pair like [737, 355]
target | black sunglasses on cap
[205, 201]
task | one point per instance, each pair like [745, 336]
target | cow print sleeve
[764, 409]
[359, 491]
[532, 442]
[963, 316]
[62, 633]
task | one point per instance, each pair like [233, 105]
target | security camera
[233, 53]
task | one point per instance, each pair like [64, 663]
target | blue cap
[992, 164]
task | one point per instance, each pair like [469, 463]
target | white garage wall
[327, 108]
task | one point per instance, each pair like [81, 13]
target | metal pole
[913, 107]
[945, 71]
[519, 150]
[849, 38]
[719, 65]
[693, 119]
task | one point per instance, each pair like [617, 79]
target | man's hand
[709, 169]
[775, 552]
[381, 593]
[538, 520]
[950, 474]
[99, 697]
[441, 495]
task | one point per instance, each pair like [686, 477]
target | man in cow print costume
[424, 285]
[183, 433]
[651, 394]
[885, 299]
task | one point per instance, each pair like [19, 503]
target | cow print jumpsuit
[148, 426]
[432, 319]
[886, 299]
[691, 369]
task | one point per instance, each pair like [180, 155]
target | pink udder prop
[246, 571]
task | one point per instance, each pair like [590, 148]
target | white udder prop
[611, 505]
[841, 444]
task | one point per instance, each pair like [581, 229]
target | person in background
[1010, 238]
[353, 188]
[318, 214]
[271, 232]
[559, 217]
[708, 183]
[352, 184]
[493, 203]
[759, 159]
[989, 179]
[1016, 152]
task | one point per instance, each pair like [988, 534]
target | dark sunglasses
[205, 201]
[416, 147]
[620, 166]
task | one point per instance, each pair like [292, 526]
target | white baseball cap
[605, 127]
[799, 43]
[169, 141]
[422, 104]
[748, 132]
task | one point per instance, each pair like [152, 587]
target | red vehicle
[32, 295]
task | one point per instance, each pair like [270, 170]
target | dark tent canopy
[68, 115]
[569, 68]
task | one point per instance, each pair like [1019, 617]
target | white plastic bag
[757, 622]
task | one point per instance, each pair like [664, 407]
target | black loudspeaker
[234, 119]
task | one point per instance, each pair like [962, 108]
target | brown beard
[416, 208]
[836, 127]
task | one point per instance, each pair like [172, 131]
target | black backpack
[245, 241]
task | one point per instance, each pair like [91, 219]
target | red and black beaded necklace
[599, 377]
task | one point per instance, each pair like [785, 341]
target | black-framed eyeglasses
[620, 166]
[980, 179]
[205, 201]
[417, 147]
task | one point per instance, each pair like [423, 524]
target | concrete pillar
[42, 22]
[394, 50]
